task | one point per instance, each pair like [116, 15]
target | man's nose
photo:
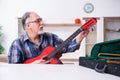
[41, 23]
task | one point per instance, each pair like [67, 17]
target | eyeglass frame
[35, 21]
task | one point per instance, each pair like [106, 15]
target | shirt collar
[25, 38]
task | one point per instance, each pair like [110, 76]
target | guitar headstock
[89, 23]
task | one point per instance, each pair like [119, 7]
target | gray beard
[41, 32]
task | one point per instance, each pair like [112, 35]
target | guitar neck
[69, 39]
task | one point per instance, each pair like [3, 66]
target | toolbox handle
[102, 70]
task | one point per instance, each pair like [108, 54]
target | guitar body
[45, 52]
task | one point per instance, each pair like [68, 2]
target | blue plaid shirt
[22, 48]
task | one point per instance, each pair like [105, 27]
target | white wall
[51, 11]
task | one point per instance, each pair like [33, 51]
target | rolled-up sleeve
[71, 47]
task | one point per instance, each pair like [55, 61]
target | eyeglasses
[36, 21]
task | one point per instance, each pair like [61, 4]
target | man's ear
[27, 25]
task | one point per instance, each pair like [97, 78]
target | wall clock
[88, 7]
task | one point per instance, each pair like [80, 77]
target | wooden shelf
[55, 24]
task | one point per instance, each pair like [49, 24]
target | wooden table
[51, 72]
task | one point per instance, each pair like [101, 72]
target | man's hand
[41, 61]
[81, 36]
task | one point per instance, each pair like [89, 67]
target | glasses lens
[36, 21]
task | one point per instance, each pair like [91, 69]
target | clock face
[88, 7]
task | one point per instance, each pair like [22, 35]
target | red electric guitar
[52, 53]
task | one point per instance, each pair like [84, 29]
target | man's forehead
[34, 15]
